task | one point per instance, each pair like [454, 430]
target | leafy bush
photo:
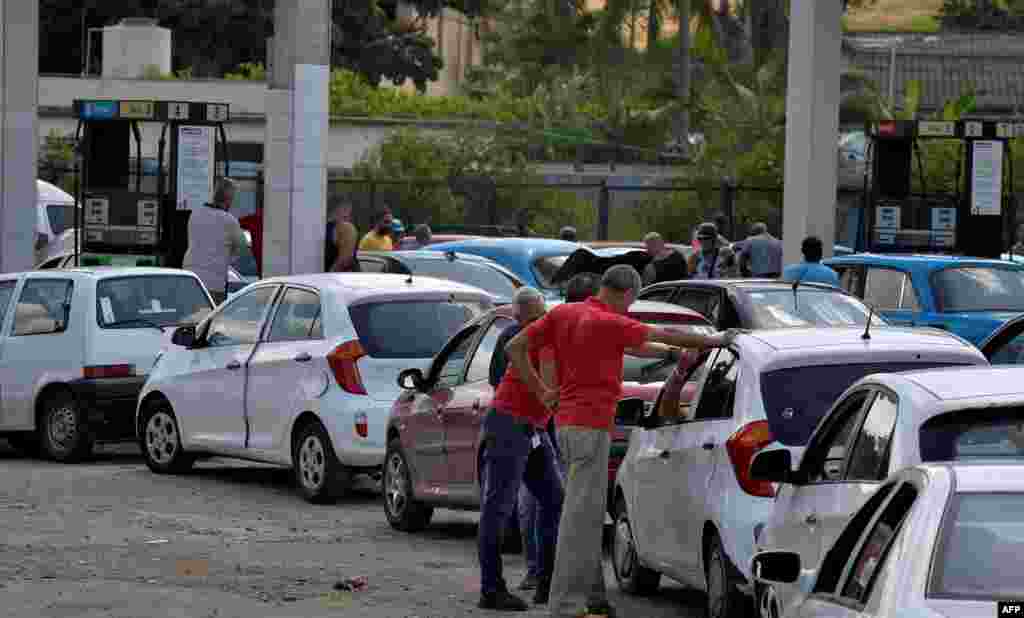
[248, 71]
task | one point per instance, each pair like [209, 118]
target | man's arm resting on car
[684, 339]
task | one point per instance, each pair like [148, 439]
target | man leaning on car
[589, 340]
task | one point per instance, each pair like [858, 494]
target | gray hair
[220, 192]
[526, 296]
[652, 236]
[423, 233]
[622, 278]
[758, 228]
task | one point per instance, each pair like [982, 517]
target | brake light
[93, 372]
[741, 448]
[362, 427]
[342, 361]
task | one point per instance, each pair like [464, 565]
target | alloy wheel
[312, 463]
[396, 490]
[62, 427]
[768, 603]
[716, 585]
[623, 549]
[162, 438]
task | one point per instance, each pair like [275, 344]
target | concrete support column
[19, 141]
[812, 124]
[295, 152]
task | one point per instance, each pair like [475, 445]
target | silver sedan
[936, 540]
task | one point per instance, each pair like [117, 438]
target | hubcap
[63, 427]
[769, 604]
[312, 463]
[624, 552]
[161, 438]
[716, 586]
[396, 487]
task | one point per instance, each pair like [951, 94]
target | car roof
[980, 476]
[537, 246]
[107, 272]
[964, 383]
[747, 285]
[782, 339]
[357, 285]
[425, 254]
[917, 261]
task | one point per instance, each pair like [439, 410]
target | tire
[321, 478]
[160, 441]
[725, 599]
[64, 436]
[403, 510]
[767, 602]
[632, 576]
[27, 443]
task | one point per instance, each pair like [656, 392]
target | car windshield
[979, 288]
[546, 268]
[796, 398]
[478, 275]
[61, 217]
[964, 434]
[808, 307]
[384, 331]
[648, 370]
[981, 552]
[144, 300]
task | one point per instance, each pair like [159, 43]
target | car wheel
[64, 435]
[725, 599]
[322, 479]
[403, 511]
[633, 577]
[767, 602]
[160, 441]
[27, 443]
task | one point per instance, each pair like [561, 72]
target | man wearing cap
[567, 233]
[588, 341]
[713, 260]
[397, 232]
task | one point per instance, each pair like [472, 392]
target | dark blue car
[969, 297]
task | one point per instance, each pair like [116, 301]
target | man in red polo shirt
[517, 451]
[589, 340]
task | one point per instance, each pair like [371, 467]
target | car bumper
[110, 405]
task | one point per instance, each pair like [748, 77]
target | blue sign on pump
[99, 110]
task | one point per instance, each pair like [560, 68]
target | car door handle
[707, 446]
[665, 454]
[811, 519]
[476, 405]
[234, 365]
[304, 357]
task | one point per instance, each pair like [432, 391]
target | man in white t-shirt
[215, 241]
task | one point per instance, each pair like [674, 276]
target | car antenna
[796, 284]
[409, 279]
[867, 327]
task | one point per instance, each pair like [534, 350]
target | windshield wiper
[141, 321]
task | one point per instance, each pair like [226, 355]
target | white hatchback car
[882, 424]
[299, 371]
[686, 503]
[76, 346]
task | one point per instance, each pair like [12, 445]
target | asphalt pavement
[110, 539]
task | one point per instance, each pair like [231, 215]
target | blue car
[534, 260]
[969, 297]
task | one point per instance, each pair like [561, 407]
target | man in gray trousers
[589, 340]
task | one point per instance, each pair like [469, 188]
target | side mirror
[777, 567]
[411, 379]
[184, 336]
[775, 466]
[630, 411]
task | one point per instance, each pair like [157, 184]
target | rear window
[981, 552]
[546, 268]
[809, 307]
[410, 329]
[796, 398]
[477, 275]
[61, 217]
[965, 434]
[140, 301]
[648, 370]
[979, 288]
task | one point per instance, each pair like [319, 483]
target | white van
[55, 215]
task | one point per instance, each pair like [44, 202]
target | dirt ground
[108, 538]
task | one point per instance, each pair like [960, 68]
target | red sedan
[433, 433]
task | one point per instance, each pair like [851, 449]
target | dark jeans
[508, 461]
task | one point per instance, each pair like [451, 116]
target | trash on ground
[351, 584]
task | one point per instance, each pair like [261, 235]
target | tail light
[108, 371]
[342, 361]
[741, 448]
[362, 427]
